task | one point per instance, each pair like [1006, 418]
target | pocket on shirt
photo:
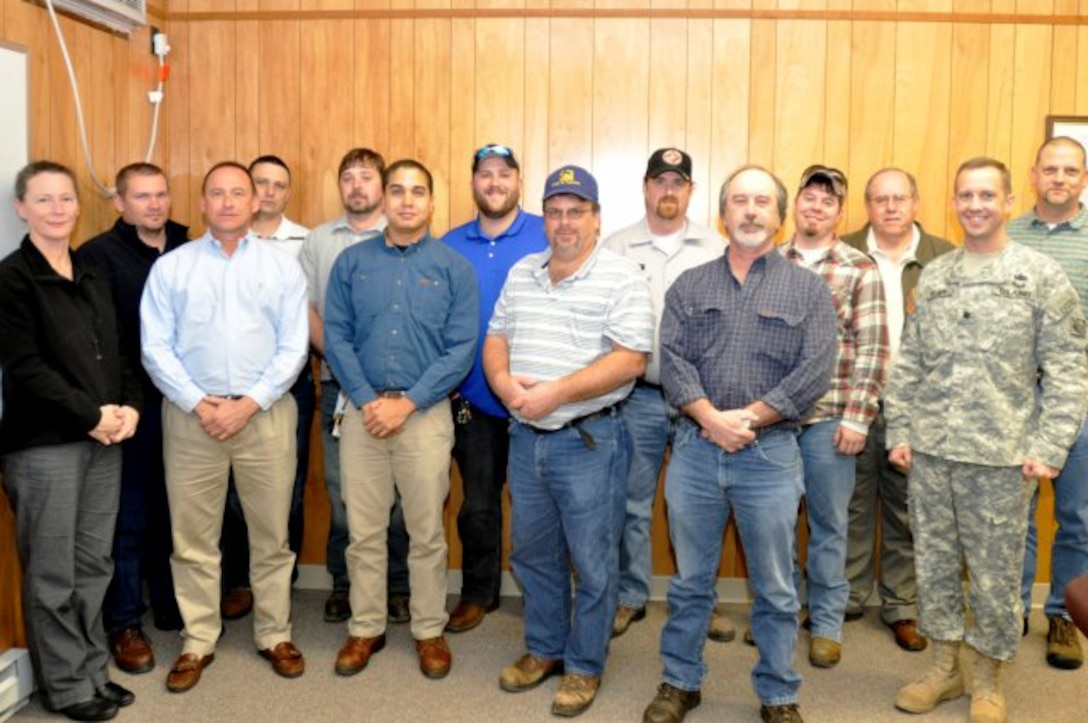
[780, 333]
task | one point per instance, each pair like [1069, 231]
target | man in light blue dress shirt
[225, 333]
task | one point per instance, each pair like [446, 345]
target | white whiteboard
[14, 148]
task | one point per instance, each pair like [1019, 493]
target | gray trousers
[880, 489]
[65, 499]
[973, 516]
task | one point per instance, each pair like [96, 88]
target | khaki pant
[415, 463]
[262, 458]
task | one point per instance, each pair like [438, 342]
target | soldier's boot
[943, 681]
[987, 700]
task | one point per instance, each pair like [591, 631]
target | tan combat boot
[943, 681]
[987, 700]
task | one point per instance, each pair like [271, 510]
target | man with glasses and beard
[495, 240]
[664, 243]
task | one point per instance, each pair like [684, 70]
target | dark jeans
[481, 448]
[141, 543]
[235, 540]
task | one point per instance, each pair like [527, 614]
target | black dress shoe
[398, 605]
[115, 694]
[94, 709]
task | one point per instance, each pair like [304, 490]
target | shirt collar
[540, 273]
[475, 231]
[341, 224]
[1077, 222]
[912, 251]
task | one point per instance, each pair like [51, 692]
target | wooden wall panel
[620, 112]
[922, 90]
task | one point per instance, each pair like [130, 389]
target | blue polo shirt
[492, 258]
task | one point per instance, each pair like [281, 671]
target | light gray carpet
[240, 687]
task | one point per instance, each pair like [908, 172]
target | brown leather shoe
[132, 651]
[338, 607]
[356, 652]
[625, 615]
[186, 671]
[286, 659]
[435, 657]
[907, 636]
[528, 672]
[466, 616]
[236, 603]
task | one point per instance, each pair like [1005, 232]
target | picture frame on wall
[1073, 126]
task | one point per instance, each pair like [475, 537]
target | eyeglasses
[575, 213]
[493, 149]
[896, 200]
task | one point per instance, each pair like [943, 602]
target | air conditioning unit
[122, 16]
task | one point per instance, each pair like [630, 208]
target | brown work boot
[943, 681]
[824, 652]
[626, 615]
[1062, 645]
[528, 672]
[671, 704]
[987, 699]
[575, 694]
[720, 629]
[787, 713]
[132, 651]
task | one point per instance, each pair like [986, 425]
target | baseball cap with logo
[833, 178]
[574, 180]
[669, 159]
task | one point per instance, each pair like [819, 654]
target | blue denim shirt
[401, 319]
[770, 339]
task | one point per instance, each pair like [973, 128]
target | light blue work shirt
[220, 325]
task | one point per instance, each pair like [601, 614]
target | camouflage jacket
[965, 384]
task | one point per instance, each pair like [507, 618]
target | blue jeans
[235, 543]
[762, 485]
[567, 510]
[337, 545]
[646, 417]
[141, 542]
[481, 448]
[829, 485]
[1069, 555]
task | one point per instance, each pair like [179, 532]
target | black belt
[648, 385]
[576, 425]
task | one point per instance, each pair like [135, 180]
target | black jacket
[60, 353]
[124, 261]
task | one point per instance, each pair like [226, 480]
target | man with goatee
[499, 236]
[664, 243]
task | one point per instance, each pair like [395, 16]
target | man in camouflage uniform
[961, 406]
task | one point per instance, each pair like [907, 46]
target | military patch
[1020, 280]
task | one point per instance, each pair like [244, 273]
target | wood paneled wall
[855, 83]
[923, 84]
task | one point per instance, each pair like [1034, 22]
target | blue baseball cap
[572, 180]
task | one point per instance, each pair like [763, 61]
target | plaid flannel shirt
[861, 360]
